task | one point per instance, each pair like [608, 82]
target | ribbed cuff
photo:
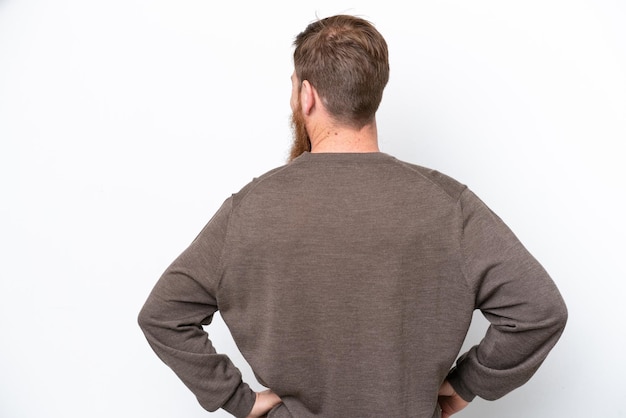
[241, 402]
[459, 386]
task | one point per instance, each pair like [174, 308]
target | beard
[301, 141]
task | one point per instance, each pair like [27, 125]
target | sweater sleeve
[525, 310]
[172, 319]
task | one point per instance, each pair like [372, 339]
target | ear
[307, 97]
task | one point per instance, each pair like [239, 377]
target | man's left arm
[523, 305]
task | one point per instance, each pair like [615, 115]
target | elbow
[559, 312]
[145, 318]
[561, 316]
[152, 318]
[553, 310]
[555, 319]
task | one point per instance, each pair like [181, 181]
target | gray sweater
[348, 282]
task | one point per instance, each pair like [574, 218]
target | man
[348, 278]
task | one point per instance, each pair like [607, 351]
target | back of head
[346, 59]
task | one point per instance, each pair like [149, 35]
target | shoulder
[237, 197]
[447, 184]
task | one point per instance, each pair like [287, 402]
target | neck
[345, 139]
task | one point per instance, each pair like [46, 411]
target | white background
[125, 124]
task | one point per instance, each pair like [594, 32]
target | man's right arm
[449, 401]
[172, 319]
[265, 402]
